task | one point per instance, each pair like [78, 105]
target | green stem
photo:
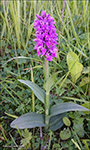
[47, 103]
[47, 108]
[46, 70]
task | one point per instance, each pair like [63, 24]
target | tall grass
[15, 19]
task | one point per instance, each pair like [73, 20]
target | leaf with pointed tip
[40, 94]
[56, 122]
[50, 82]
[65, 107]
[29, 120]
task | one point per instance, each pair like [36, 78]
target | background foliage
[72, 23]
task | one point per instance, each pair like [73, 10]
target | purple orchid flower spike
[46, 36]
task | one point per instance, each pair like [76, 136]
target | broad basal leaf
[40, 94]
[29, 120]
[56, 122]
[65, 107]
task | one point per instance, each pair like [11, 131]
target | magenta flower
[46, 36]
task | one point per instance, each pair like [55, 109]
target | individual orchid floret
[46, 36]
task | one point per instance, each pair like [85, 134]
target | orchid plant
[52, 119]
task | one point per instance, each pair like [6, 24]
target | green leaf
[65, 134]
[73, 98]
[76, 144]
[56, 122]
[66, 121]
[87, 105]
[74, 66]
[65, 107]
[40, 94]
[13, 116]
[86, 70]
[27, 137]
[71, 57]
[25, 141]
[49, 83]
[85, 141]
[83, 36]
[75, 70]
[26, 133]
[21, 61]
[56, 146]
[84, 81]
[20, 107]
[29, 120]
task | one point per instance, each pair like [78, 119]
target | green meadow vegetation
[69, 75]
